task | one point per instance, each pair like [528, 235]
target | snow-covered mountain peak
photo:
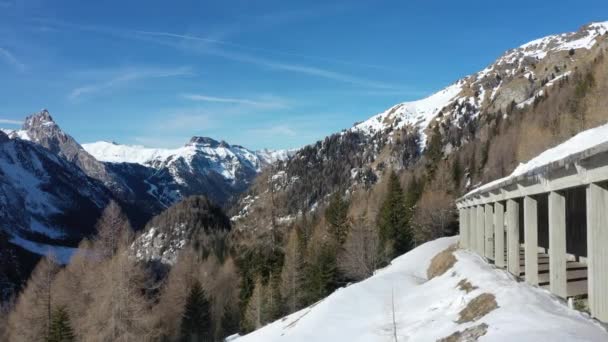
[417, 114]
[206, 142]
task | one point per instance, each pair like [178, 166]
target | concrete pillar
[480, 231]
[557, 244]
[531, 239]
[597, 250]
[464, 227]
[513, 237]
[489, 232]
[472, 229]
[499, 234]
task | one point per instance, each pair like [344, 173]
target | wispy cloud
[267, 102]
[274, 130]
[115, 79]
[11, 122]
[10, 59]
[218, 47]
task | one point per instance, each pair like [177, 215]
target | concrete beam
[557, 244]
[531, 239]
[597, 251]
[499, 235]
[489, 231]
[513, 237]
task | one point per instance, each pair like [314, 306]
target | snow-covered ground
[427, 310]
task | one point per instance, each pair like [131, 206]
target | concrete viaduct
[547, 225]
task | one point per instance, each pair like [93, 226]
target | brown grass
[477, 308]
[441, 263]
[466, 286]
[469, 334]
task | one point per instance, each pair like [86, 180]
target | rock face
[195, 220]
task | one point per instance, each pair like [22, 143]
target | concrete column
[513, 237]
[489, 232]
[499, 234]
[531, 239]
[557, 244]
[597, 251]
[480, 231]
[472, 229]
[464, 227]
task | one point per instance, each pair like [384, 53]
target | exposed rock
[468, 335]
[477, 308]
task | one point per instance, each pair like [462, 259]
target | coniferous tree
[61, 329]
[337, 219]
[393, 222]
[196, 321]
[321, 274]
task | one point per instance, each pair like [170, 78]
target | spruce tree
[196, 321]
[393, 222]
[321, 274]
[60, 329]
[337, 219]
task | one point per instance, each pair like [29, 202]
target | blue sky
[274, 74]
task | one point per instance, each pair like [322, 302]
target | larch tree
[361, 254]
[292, 273]
[113, 230]
[118, 311]
[253, 319]
[31, 317]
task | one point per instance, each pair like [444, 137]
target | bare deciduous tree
[31, 318]
[118, 309]
[292, 273]
[433, 215]
[361, 254]
[113, 230]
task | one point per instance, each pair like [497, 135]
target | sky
[262, 74]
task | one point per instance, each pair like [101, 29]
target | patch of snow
[62, 254]
[427, 310]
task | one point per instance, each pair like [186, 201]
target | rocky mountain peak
[206, 141]
[40, 119]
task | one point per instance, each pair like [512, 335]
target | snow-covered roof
[584, 144]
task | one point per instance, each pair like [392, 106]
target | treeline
[324, 251]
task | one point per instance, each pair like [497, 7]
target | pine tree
[395, 234]
[196, 321]
[61, 329]
[337, 219]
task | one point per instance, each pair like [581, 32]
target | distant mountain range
[53, 189]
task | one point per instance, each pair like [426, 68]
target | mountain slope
[46, 200]
[430, 309]
[469, 132]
